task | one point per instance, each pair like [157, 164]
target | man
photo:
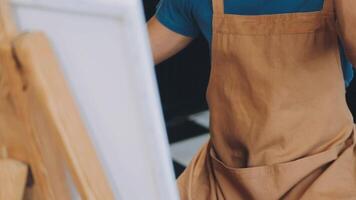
[280, 125]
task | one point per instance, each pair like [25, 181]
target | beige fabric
[280, 125]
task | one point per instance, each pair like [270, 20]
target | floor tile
[183, 151]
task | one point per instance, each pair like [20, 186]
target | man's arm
[346, 19]
[164, 42]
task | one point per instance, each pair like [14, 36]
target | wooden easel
[41, 132]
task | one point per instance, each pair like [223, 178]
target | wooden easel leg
[13, 176]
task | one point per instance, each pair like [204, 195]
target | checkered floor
[186, 136]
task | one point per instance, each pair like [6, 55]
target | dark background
[183, 79]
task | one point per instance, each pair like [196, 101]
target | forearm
[164, 42]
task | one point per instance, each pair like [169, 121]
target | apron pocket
[271, 181]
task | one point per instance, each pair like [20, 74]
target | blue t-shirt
[191, 17]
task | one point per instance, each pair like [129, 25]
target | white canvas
[102, 46]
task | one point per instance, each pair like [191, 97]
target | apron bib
[280, 125]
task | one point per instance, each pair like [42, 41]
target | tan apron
[280, 125]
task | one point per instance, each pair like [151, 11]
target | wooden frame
[37, 136]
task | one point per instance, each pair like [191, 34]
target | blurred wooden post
[40, 124]
[13, 176]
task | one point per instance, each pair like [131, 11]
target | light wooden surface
[29, 130]
[23, 139]
[7, 25]
[17, 132]
[13, 176]
[37, 109]
[54, 111]
[39, 122]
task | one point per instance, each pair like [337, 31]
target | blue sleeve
[346, 66]
[177, 16]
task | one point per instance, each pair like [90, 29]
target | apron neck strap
[218, 7]
[328, 6]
